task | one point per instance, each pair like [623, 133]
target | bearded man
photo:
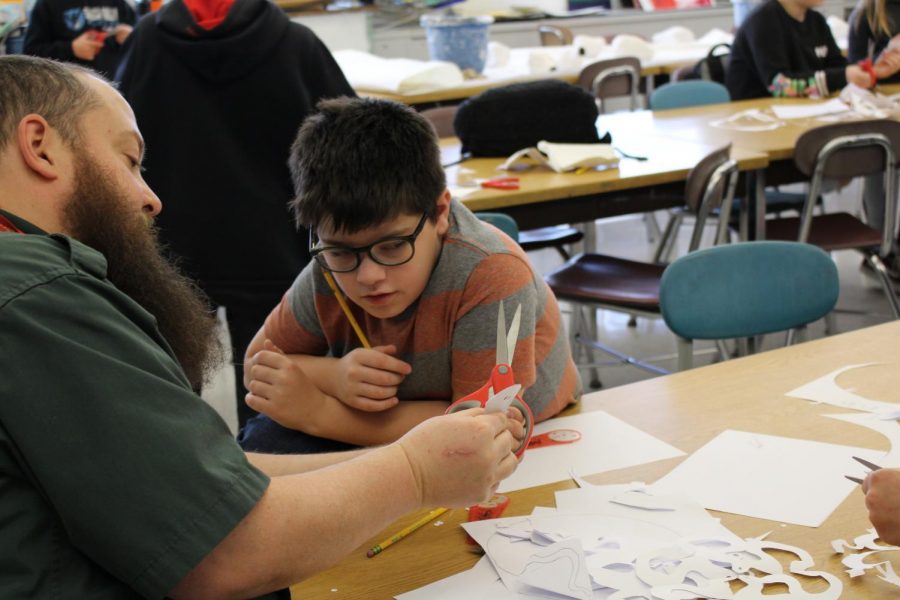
[116, 480]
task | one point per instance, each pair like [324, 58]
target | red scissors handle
[500, 379]
[502, 183]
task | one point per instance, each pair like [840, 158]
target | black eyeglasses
[388, 252]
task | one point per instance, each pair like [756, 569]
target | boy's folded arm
[335, 420]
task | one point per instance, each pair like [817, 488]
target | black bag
[502, 120]
[714, 65]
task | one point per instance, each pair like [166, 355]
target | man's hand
[857, 76]
[882, 489]
[86, 47]
[458, 460]
[368, 378]
[280, 389]
[122, 32]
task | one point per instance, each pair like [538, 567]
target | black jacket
[218, 111]
[55, 23]
[771, 43]
[863, 43]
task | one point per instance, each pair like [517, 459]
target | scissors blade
[502, 348]
[867, 464]
[513, 336]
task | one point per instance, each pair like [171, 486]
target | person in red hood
[219, 88]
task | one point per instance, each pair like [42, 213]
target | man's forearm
[305, 523]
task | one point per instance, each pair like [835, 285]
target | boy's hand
[368, 378]
[460, 459]
[280, 389]
[887, 63]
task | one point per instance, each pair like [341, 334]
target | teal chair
[503, 222]
[693, 92]
[744, 290]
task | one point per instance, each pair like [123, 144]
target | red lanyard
[6, 225]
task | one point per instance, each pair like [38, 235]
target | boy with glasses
[424, 278]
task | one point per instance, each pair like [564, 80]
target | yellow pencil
[346, 309]
[378, 548]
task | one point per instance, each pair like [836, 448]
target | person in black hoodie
[785, 49]
[87, 32]
[219, 90]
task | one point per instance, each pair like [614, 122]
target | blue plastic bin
[460, 40]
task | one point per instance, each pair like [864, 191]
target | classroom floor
[861, 303]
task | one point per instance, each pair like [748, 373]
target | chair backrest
[694, 92]
[710, 185]
[552, 35]
[747, 289]
[847, 150]
[501, 221]
[612, 78]
[441, 118]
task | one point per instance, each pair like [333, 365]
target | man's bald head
[56, 91]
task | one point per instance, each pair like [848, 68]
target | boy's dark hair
[47, 88]
[358, 162]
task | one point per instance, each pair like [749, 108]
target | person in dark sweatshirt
[87, 32]
[785, 49]
[219, 89]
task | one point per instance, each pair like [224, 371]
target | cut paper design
[617, 551]
[856, 563]
[889, 429]
[500, 401]
[825, 390]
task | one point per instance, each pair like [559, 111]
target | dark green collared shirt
[115, 478]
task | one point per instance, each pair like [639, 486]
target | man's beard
[99, 216]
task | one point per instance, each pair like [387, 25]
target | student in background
[874, 26]
[219, 88]
[785, 48]
[882, 490]
[424, 278]
[117, 480]
[88, 32]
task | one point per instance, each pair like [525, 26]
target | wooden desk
[687, 410]
[547, 198]
[694, 124]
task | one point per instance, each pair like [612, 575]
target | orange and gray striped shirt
[449, 334]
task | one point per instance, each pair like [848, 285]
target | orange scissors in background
[501, 183]
[501, 389]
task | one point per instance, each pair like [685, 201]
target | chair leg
[563, 253]
[886, 283]
[653, 232]
[593, 329]
[685, 354]
[669, 237]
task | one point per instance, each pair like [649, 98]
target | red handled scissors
[501, 383]
[501, 183]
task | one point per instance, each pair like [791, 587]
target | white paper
[810, 109]
[768, 477]
[825, 390]
[481, 582]
[606, 443]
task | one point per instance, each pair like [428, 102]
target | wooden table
[548, 198]
[695, 124]
[687, 410]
